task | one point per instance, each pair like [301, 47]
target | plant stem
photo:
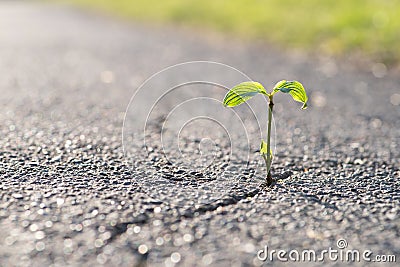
[269, 156]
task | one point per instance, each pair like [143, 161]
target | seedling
[244, 91]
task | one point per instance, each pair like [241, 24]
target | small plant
[244, 91]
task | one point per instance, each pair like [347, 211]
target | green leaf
[295, 89]
[243, 92]
[263, 149]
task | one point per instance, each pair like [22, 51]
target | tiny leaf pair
[246, 90]
[240, 93]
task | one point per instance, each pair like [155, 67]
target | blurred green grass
[369, 28]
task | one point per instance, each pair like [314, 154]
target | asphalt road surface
[71, 197]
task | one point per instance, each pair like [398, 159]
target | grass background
[370, 28]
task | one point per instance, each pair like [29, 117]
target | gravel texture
[69, 196]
